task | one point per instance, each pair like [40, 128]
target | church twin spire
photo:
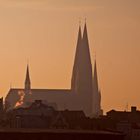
[83, 80]
[82, 69]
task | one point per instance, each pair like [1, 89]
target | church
[84, 93]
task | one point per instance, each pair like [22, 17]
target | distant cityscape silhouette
[66, 113]
[84, 94]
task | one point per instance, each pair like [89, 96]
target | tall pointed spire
[27, 80]
[85, 34]
[96, 94]
[75, 67]
[95, 78]
[86, 45]
[78, 43]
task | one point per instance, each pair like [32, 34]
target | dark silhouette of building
[45, 119]
[131, 116]
[1, 105]
[83, 95]
[127, 122]
[39, 115]
[1, 108]
[68, 120]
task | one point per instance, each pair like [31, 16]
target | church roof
[40, 91]
[40, 94]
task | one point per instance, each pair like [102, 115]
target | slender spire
[99, 92]
[96, 93]
[85, 34]
[79, 34]
[95, 76]
[74, 73]
[86, 46]
[27, 80]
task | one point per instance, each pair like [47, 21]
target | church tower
[27, 87]
[82, 72]
[82, 69]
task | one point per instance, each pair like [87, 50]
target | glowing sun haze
[45, 33]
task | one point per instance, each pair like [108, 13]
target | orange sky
[45, 32]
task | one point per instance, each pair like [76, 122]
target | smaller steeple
[96, 93]
[27, 80]
[95, 81]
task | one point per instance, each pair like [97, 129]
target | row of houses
[41, 116]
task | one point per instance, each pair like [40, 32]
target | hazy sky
[45, 33]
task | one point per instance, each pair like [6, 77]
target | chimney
[133, 109]
[38, 102]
